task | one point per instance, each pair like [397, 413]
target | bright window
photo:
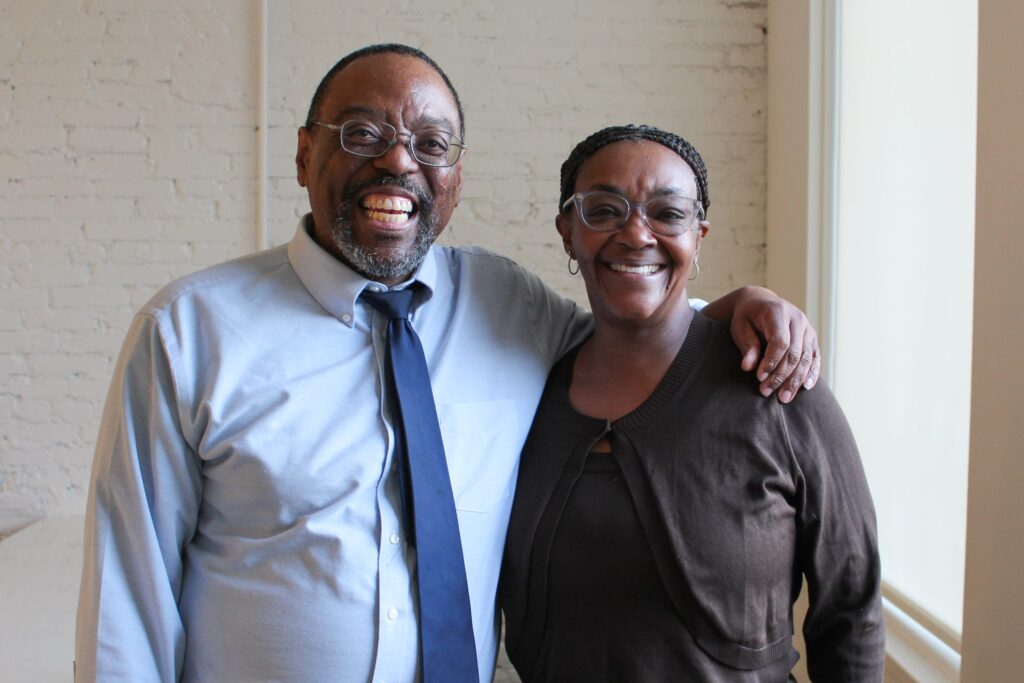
[903, 280]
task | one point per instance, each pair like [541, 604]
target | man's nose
[398, 160]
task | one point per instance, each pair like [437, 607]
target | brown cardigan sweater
[743, 496]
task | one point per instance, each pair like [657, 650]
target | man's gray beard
[369, 261]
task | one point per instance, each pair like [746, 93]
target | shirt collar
[334, 284]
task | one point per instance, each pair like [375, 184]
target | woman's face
[633, 275]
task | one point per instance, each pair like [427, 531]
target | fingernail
[762, 376]
[785, 395]
[766, 391]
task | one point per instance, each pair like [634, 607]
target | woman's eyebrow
[664, 191]
[660, 192]
[608, 188]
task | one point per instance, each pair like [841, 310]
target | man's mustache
[424, 202]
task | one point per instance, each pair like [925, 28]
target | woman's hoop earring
[696, 266]
[571, 271]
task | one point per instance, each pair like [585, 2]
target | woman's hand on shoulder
[762, 321]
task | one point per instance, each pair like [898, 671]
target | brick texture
[128, 150]
[107, 112]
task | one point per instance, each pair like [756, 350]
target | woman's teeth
[642, 270]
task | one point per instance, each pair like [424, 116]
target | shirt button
[346, 317]
[394, 539]
[392, 614]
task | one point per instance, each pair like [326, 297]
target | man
[246, 519]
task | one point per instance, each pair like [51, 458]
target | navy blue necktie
[447, 647]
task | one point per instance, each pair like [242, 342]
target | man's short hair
[392, 48]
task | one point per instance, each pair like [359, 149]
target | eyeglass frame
[408, 142]
[578, 197]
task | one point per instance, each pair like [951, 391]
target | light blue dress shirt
[244, 520]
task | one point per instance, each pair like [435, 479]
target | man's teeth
[388, 203]
[387, 208]
[642, 270]
[388, 217]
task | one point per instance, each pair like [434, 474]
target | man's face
[380, 215]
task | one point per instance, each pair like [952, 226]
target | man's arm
[791, 359]
[143, 504]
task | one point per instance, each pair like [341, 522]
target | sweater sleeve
[837, 544]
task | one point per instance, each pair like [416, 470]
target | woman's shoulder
[726, 399]
[718, 363]
[721, 364]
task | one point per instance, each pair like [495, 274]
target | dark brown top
[737, 497]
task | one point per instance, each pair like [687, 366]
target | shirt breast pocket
[482, 444]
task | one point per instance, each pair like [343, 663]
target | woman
[665, 511]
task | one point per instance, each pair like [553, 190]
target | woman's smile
[636, 269]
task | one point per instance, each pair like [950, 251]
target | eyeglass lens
[432, 147]
[669, 215]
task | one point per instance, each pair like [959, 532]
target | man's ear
[564, 226]
[458, 181]
[303, 150]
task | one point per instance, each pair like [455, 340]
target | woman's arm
[837, 546]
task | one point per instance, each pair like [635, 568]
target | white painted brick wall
[111, 117]
[128, 157]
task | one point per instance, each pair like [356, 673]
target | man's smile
[387, 208]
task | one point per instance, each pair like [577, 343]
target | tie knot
[393, 304]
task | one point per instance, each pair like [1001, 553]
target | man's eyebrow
[360, 109]
[377, 114]
[435, 122]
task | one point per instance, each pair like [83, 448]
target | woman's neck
[620, 366]
[641, 343]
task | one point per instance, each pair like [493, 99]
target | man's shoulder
[225, 280]
[472, 256]
[481, 277]
[472, 267]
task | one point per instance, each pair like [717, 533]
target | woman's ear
[703, 227]
[564, 226]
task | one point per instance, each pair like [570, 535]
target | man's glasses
[428, 146]
[670, 214]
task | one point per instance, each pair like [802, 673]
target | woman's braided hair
[602, 138]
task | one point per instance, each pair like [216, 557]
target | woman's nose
[635, 232]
